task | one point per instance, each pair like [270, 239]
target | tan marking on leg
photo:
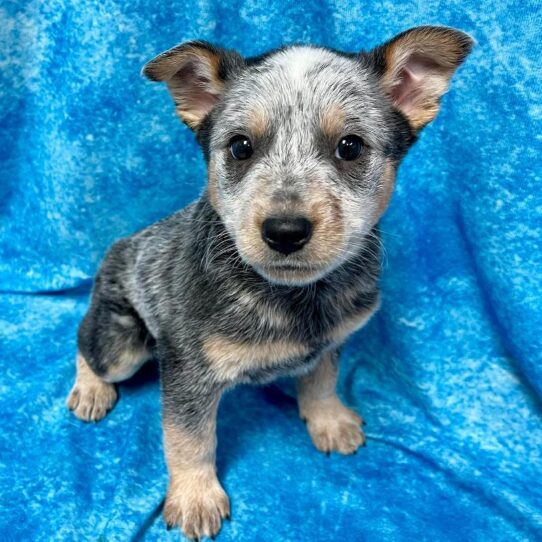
[331, 425]
[230, 358]
[91, 398]
[195, 499]
[332, 121]
[348, 325]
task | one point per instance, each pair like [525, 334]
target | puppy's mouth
[292, 267]
[291, 273]
[293, 251]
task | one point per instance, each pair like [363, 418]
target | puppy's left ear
[416, 66]
[195, 73]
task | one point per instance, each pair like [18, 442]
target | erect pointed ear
[416, 66]
[195, 73]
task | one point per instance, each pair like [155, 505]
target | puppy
[277, 263]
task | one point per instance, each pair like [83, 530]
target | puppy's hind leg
[113, 343]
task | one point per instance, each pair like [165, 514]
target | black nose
[286, 235]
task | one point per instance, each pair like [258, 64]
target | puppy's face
[302, 144]
[301, 161]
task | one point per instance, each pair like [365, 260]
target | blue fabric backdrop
[448, 375]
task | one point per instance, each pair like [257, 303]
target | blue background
[448, 375]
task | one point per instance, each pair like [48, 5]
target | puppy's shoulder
[169, 228]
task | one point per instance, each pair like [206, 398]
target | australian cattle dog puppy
[277, 263]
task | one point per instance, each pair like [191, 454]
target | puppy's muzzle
[286, 234]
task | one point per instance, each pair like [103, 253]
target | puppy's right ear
[195, 73]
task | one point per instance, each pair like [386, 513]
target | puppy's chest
[259, 339]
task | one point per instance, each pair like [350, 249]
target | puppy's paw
[333, 427]
[91, 401]
[197, 504]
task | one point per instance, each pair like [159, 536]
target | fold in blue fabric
[448, 375]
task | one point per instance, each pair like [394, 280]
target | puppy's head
[302, 143]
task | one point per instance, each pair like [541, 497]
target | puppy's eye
[241, 147]
[349, 147]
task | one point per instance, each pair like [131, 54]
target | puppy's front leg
[331, 425]
[195, 499]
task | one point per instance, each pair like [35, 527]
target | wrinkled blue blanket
[448, 375]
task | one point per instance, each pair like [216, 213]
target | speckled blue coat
[448, 375]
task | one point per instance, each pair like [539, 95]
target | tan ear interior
[191, 72]
[419, 65]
